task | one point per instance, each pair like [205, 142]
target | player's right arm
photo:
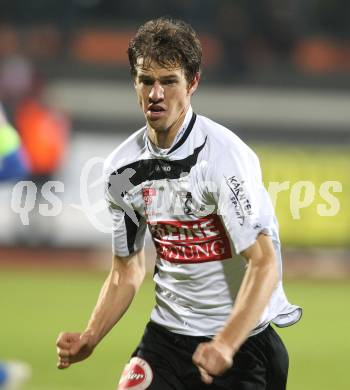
[117, 293]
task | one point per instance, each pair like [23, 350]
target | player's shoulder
[223, 141]
[127, 152]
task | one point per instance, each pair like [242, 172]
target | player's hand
[72, 348]
[212, 359]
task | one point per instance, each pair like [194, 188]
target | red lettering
[202, 250]
[173, 232]
[191, 241]
[217, 247]
[210, 229]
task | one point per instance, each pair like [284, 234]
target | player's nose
[157, 93]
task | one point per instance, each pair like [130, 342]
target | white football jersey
[204, 203]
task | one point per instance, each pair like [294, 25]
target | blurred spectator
[17, 76]
[233, 29]
[43, 131]
[13, 164]
[278, 25]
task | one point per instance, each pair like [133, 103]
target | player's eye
[169, 82]
[147, 82]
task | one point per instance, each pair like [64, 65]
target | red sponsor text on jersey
[193, 241]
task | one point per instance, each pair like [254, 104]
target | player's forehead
[154, 70]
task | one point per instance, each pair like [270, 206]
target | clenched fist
[212, 358]
[72, 348]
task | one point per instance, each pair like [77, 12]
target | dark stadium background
[277, 73]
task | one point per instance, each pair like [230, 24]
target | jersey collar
[180, 137]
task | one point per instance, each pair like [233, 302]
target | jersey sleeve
[128, 227]
[240, 197]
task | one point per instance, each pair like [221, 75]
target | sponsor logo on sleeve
[239, 199]
[137, 375]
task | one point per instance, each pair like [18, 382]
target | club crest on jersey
[148, 194]
[187, 202]
[137, 375]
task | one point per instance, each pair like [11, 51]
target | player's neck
[164, 138]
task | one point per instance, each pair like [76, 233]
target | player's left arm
[215, 357]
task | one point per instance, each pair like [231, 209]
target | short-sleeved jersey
[204, 203]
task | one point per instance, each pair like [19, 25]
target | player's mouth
[155, 111]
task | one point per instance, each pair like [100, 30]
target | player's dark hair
[169, 43]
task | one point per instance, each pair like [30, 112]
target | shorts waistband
[177, 336]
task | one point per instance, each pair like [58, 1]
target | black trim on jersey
[185, 135]
[156, 270]
[131, 230]
[183, 138]
[158, 169]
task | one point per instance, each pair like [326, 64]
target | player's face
[163, 94]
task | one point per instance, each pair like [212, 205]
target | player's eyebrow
[170, 77]
[144, 77]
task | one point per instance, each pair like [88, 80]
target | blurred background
[276, 73]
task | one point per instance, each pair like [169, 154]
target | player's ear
[192, 86]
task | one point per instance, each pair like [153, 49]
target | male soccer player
[199, 190]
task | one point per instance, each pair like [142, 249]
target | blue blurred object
[3, 374]
[13, 167]
[13, 374]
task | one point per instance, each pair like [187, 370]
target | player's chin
[158, 124]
